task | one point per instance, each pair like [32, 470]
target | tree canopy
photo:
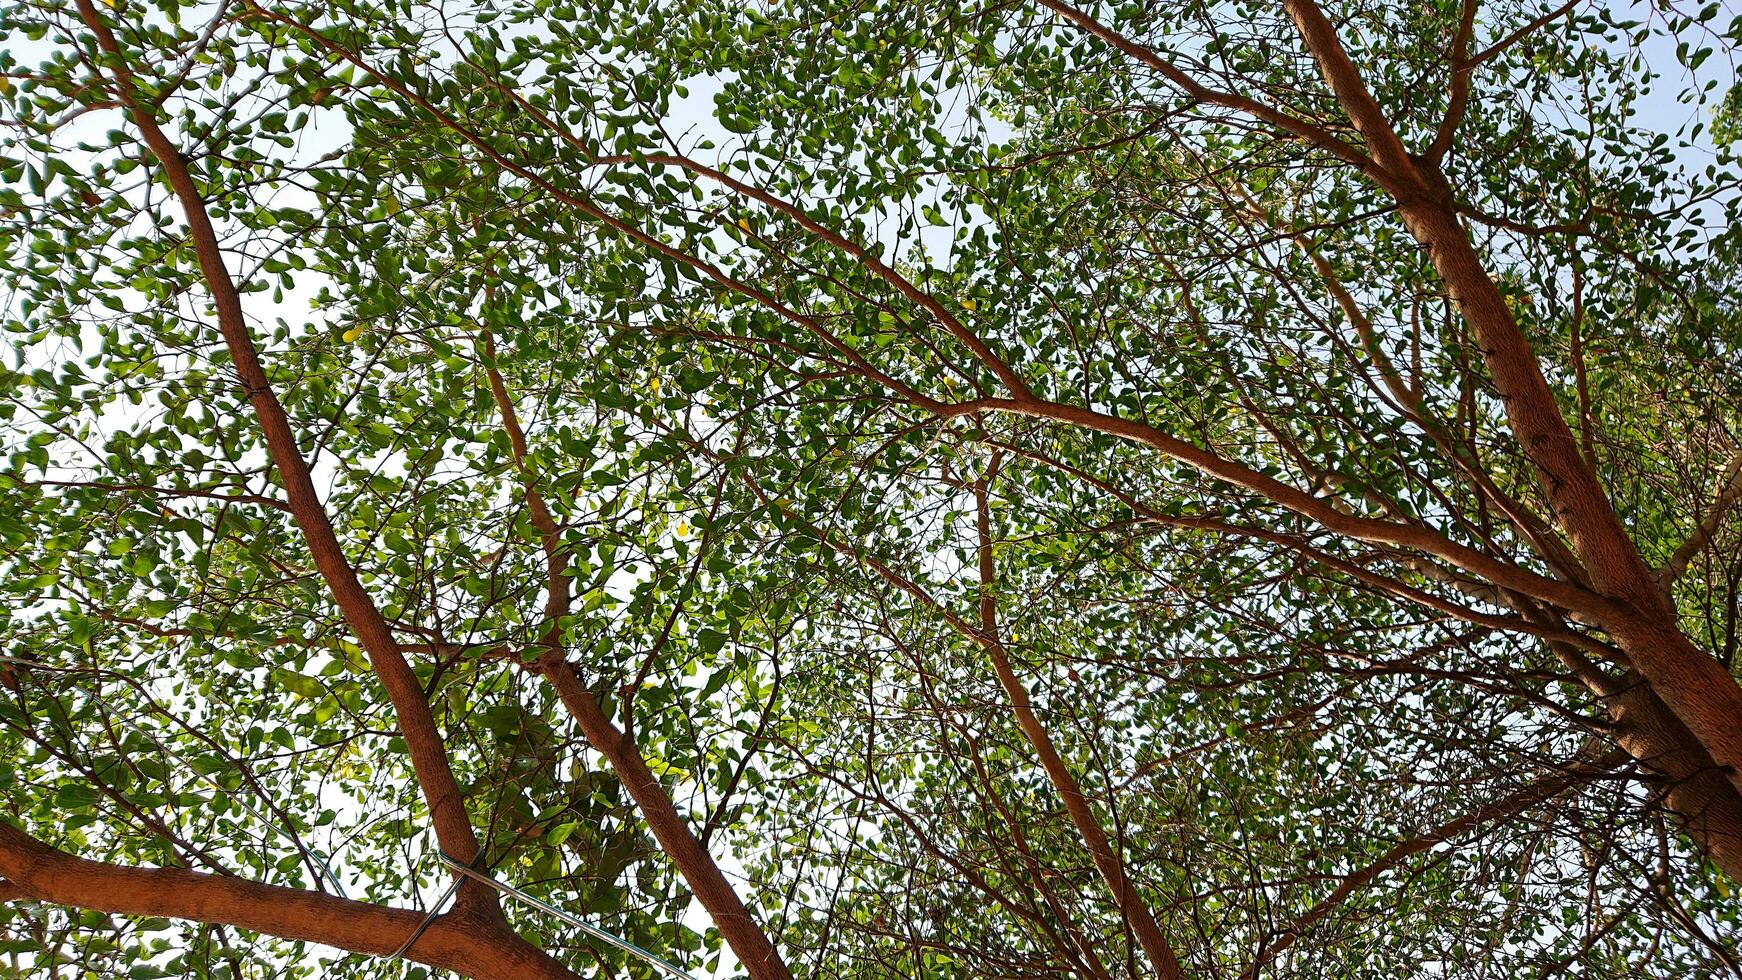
[890, 488]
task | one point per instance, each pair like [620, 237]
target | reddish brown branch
[1299, 128]
[749, 943]
[461, 941]
[417, 725]
[1105, 855]
[1630, 603]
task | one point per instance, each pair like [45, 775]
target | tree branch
[459, 941]
[749, 943]
[1633, 607]
[1316, 135]
[417, 725]
[1536, 792]
[1729, 491]
[1101, 850]
[1459, 99]
[747, 939]
[1494, 50]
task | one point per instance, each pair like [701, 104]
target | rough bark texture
[1694, 789]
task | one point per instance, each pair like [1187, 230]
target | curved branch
[1729, 491]
[459, 941]
[1368, 529]
[749, 943]
[1631, 604]
[746, 937]
[1318, 136]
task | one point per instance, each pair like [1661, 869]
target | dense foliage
[1000, 490]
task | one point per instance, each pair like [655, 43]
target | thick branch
[1459, 99]
[1634, 609]
[461, 942]
[749, 943]
[1345, 83]
[417, 725]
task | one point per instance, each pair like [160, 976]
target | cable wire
[549, 909]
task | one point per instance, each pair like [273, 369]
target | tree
[871, 489]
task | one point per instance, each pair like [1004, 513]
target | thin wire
[434, 910]
[314, 855]
[572, 920]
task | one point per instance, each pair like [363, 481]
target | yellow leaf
[745, 225]
[653, 384]
[664, 768]
[970, 305]
[350, 336]
[5, 85]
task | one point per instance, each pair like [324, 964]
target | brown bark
[1694, 789]
[1701, 693]
[749, 943]
[1425, 205]
[462, 940]
[423, 740]
[1697, 690]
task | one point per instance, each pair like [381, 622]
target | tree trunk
[1695, 791]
